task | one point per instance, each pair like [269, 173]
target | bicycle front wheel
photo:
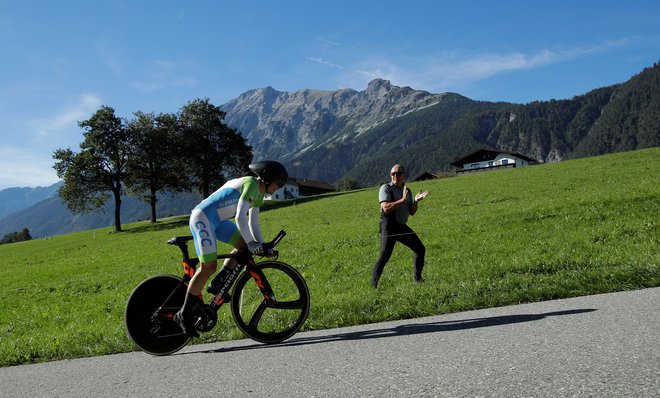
[278, 317]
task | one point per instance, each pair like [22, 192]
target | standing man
[396, 204]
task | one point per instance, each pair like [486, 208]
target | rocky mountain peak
[378, 88]
[284, 124]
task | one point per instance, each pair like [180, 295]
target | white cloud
[325, 41]
[438, 74]
[111, 57]
[29, 161]
[322, 61]
[163, 74]
[22, 168]
[66, 120]
[370, 74]
[450, 70]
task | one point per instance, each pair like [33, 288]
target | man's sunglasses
[397, 173]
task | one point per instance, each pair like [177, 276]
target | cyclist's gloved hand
[255, 247]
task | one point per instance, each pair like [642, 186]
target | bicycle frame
[243, 260]
[189, 264]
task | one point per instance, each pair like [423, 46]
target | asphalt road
[596, 346]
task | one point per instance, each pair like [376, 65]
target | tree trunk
[152, 201]
[117, 193]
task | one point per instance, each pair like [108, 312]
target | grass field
[520, 235]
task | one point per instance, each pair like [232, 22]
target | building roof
[484, 154]
[425, 176]
[303, 182]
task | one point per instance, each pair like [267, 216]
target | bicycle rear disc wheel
[149, 311]
[271, 321]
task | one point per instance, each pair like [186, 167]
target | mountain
[286, 126]
[15, 199]
[327, 135]
[51, 217]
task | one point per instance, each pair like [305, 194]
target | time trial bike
[269, 302]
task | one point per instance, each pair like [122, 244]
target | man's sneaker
[187, 327]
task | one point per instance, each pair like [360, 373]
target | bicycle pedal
[206, 319]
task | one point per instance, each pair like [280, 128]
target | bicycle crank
[205, 318]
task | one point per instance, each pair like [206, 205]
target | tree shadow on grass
[405, 330]
[161, 225]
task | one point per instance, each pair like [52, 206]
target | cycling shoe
[186, 325]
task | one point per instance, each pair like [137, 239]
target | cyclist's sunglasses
[397, 173]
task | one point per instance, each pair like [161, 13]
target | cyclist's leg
[203, 231]
[227, 232]
[203, 227]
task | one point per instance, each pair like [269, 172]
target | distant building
[491, 159]
[426, 176]
[297, 187]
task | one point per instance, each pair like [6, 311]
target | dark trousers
[390, 233]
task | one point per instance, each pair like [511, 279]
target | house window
[505, 161]
[474, 165]
[490, 164]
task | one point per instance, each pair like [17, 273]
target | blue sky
[61, 60]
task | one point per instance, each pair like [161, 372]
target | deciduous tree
[14, 237]
[98, 171]
[154, 165]
[213, 150]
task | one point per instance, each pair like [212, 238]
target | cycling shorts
[207, 229]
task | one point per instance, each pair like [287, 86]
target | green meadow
[546, 232]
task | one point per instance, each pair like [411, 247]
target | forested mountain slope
[327, 135]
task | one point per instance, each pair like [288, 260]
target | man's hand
[421, 196]
[404, 198]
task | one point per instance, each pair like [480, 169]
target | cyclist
[239, 198]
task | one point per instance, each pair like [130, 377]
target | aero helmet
[270, 172]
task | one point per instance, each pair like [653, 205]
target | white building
[491, 159]
[297, 187]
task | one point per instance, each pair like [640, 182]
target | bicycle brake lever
[276, 254]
